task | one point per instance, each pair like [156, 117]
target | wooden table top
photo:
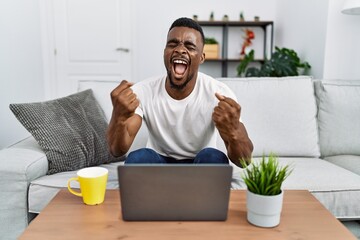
[66, 217]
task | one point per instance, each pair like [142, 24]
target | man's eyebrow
[173, 40]
[189, 43]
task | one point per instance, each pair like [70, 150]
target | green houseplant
[264, 195]
[266, 177]
[209, 40]
[283, 62]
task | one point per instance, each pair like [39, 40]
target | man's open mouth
[179, 67]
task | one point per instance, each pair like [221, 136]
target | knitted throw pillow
[71, 130]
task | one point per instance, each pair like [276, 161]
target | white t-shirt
[180, 128]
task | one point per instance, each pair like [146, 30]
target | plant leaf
[283, 62]
[245, 62]
[266, 176]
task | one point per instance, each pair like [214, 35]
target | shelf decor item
[242, 18]
[283, 62]
[249, 36]
[264, 196]
[211, 48]
[212, 18]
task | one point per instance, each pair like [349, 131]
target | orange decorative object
[249, 35]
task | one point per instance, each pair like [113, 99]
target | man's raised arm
[124, 123]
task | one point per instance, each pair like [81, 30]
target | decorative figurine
[249, 35]
[211, 16]
[242, 19]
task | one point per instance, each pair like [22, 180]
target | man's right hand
[124, 101]
[124, 123]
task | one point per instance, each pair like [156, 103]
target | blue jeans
[147, 155]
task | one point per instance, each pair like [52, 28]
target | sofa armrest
[19, 165]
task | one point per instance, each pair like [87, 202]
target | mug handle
[70, 189]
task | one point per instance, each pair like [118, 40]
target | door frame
[48, 48]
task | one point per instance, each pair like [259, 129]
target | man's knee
[143, 155]
[211, 155]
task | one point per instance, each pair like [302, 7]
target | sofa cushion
[71, 130]
[339, 114]
[279, 114]
[336, 188]
[349, 162]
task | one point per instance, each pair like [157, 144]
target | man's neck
[179, 94]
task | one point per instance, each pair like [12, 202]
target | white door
[91, 41]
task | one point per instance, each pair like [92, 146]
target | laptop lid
[176, 192]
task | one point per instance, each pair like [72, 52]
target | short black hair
[188, 22]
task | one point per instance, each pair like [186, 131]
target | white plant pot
[264, 211]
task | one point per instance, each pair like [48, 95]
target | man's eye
[171, 45]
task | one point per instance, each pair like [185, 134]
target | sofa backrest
[279, 114]
[339, 116]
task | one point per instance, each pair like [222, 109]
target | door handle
[122, 49]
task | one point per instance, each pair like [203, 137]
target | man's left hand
[226, 117]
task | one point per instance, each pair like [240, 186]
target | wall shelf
[266, 26]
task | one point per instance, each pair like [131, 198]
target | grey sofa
[311, 124]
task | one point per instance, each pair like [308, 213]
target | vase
[211, 51]
[264, 211]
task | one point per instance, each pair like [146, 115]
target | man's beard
[178, 87]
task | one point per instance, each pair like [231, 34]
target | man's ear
[202, 59]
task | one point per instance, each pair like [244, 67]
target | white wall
[301, 25]
[322, 35]
[342, 52]
[152, 20]
[21, 77]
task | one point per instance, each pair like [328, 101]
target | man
[182, 110]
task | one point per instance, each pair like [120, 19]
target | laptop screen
[176, 192]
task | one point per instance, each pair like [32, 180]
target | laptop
[174, 192]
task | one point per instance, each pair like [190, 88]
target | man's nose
[180, 49]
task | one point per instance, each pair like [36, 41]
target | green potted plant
[283, 62]
[211, 48]
[242, 18]
[209, 40]
[264, 194]
[211, 16]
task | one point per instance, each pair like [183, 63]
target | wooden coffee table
[66, 217]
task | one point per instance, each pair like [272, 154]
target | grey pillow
[339, 114]
[71, 130]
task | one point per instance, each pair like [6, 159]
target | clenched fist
[226, 116]
[124, 101]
